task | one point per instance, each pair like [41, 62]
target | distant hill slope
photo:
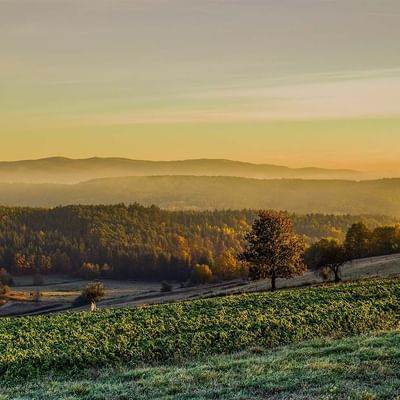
[65, 170]
[191, 192]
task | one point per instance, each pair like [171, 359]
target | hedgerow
[68, 342]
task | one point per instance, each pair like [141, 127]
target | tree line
[273, 250]
[330, 254]
[136, 242]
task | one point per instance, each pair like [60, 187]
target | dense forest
[209, 193]
[136, 242]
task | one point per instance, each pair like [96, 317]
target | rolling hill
[72, 344]
[200, 193]
[65, 170]
[340, 369]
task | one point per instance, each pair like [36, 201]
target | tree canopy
[148, 243]
[329, 253]
[272, 248]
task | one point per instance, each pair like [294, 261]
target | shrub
[201, 274]
[4, 290]
[91, 294]
[166, 287]
[5, 277]
[325, 274]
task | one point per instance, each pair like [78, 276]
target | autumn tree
[147, 243]
[227, 266]
[201, 274]
[272, 249]
[89, 270]
[23, 263]
[327, 253]
[42, 263]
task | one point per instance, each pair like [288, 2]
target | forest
[137, 242]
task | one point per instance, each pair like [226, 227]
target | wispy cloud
[346, 98]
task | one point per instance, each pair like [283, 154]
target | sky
[293, 82]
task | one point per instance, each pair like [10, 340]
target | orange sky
[307, 82]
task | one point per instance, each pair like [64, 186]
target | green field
[168, 333]
[359, 368]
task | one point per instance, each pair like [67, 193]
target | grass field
[359, 368]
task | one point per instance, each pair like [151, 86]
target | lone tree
[273, 250]
[91, 294]
[327, 253]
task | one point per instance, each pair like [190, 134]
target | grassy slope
[195, 329]
[359, 368]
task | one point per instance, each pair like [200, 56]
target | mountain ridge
[69, 170]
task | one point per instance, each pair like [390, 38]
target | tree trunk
[273, 283]
[337, 275]
[93, 307]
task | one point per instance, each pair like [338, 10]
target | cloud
[346, 98]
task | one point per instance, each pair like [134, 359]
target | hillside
[65, 170]
[341, 369]
[136, 242]
[33, 346]
[191, 192]
[60, 291]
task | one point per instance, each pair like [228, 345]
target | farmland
[59, 291]
[31, 346]
[357, 368]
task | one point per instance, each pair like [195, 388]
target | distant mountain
[191, 192]
[65, 170]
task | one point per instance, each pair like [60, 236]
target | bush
[201, 274]
[91, 294]
[325, 274]
[36, 296]
[166, 287]
[4, 290]
[5, 277]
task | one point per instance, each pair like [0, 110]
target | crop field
[363, 367]
[30, 346]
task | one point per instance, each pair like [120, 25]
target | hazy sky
[296, 82]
